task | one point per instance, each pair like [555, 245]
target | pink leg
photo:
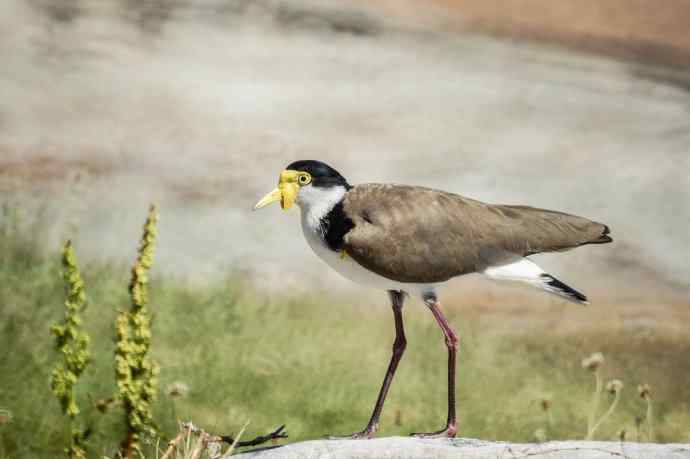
[397, 299]
[452, 344]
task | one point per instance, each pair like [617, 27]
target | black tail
[553, 285]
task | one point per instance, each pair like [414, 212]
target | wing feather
[415, 234]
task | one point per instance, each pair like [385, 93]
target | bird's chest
[315, 234]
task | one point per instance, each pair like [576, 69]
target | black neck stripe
[335, 225]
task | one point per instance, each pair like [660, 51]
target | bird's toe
[363, 435]
[448, 432]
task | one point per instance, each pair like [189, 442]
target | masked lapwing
[409, 239]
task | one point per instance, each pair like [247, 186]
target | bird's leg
[452, 343]
[397, 299]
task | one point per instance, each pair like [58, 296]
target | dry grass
[192, 442]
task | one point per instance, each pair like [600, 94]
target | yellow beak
[286, 192]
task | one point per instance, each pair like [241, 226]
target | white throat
[316, 202]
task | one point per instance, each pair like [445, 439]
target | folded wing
[415, 234]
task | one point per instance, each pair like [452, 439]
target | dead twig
[205, 438]
[276, 434]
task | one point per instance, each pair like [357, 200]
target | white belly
[349, 268]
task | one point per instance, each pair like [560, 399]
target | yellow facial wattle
[287, 190]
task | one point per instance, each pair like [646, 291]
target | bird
[409, 240]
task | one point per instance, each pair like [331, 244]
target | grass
[315, 363]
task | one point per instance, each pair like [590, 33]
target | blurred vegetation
[229, 353]
[72, 344]
[135, 372]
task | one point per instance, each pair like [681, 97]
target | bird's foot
[367, 433]
[448, 432]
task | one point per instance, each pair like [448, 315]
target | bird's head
[304, 181]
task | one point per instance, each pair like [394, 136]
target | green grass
[313, 362]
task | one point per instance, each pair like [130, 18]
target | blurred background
[579, 106]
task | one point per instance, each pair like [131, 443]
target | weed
[135, 371]
[73, 345]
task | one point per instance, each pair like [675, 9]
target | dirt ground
[639, 29]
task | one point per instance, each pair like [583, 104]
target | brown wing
[414, 234]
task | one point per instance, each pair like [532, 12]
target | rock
[467, 448]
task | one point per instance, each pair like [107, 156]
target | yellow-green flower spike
[135, 372]
[73, 345]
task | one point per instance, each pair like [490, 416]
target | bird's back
[415, 234]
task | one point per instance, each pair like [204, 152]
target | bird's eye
[304, 179]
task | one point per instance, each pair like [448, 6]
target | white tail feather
[526, 271]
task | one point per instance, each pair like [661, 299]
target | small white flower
[614, 386]
[645, 391]
[593, 362]
[177, 389]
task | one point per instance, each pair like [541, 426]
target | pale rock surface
[465, 448]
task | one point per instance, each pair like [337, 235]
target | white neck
[316, 202]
